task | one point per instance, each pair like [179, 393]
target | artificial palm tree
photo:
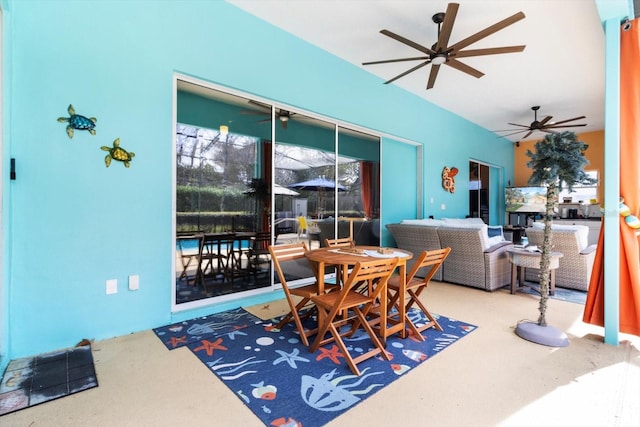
[557, 162]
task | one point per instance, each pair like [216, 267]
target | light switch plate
[134, 282]
[112, 286]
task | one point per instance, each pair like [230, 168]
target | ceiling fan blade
[544, 121]
[569, 120]
[513, 133]
[488, 51]
[417, 58]
[522, 126]
[407, 42]
[433, 74]
[260, 104]
[527, 135]
[254, 112]
[564, 126]
[264, 121]
[464, 68]
[411, 70]
[447, 26]
[487, 31]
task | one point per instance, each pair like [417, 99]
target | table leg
[552, 282]
[402, 299]
[514, 278]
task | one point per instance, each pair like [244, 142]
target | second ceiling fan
[282, 115]
[545, 125]
[442, 54]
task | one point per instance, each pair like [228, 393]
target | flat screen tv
[526, 199]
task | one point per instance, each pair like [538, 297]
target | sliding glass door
[249, 174]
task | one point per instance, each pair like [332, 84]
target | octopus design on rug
[327, 394]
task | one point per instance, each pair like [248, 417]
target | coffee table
[521, 258]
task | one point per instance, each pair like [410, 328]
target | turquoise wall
[70, 223]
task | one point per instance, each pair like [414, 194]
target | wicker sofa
[475, 259]
[576, 263]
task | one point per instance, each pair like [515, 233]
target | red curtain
[366, 172]
[266, 177]
[629, 264]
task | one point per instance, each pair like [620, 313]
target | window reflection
[233, 180]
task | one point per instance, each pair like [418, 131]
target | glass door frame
[274, 122]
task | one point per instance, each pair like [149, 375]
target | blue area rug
[570, 295]
[284, 384]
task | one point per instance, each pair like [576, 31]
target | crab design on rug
[78, 122]
[118, 153]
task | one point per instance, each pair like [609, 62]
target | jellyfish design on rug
[327, 394]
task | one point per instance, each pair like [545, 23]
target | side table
[521, 259]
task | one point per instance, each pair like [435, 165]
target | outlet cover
[112, 286]
[134, 282]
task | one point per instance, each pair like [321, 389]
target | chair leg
[413, 298]
[295, 316]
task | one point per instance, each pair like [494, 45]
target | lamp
[224, 130]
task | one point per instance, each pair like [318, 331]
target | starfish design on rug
[209, 346]
[290, 358]
[332, 353]
[178, 340]
[237, 330]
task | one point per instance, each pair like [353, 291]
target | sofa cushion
[462, 221]
[582, 231]
[428, 222]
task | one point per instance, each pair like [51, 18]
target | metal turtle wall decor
[118, 153]
[78, 122]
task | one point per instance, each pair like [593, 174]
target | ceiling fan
[283, 115]
[544, 125]
[442, 54]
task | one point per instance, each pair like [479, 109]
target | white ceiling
[561, 68]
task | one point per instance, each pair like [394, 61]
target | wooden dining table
[345, 258]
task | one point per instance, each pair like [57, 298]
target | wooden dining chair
[259, 252]
[333, 305]
[214, 253]
[188, 255]
[293, 252]
[343, 242]
[431, 261]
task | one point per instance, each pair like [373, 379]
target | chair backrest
[282, 253]
[432, 260]
[261, 241]
[374, 273]
[344, 242]
[211, 241]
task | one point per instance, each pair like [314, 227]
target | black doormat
[33, 380]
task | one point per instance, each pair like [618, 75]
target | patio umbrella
[283, 191]
[278, 190]
[317, 184]
[320, 184]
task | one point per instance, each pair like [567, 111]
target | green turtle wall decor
[78, 122]
[118, 153]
